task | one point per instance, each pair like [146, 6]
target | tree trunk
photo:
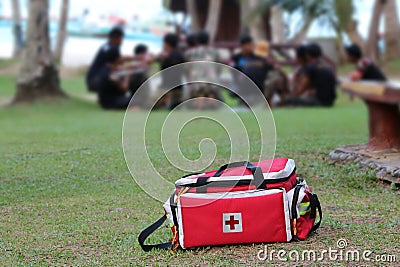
[302, 33]
[38, 76]
[392, 30]
[353, 34]
[17, 28]
[372, 43]
[192, 11]
[62, 31]
[278, 25]
[244, 15]
[257, 27]
[214, 9]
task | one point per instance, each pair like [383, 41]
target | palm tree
[310, 10]
[342, 21]
[278, 26]
[255, 18]
[372, 43]
[38, 76]
[62, 30]
[392, 30]
[213, 14]
[192, 11]
[17, 28]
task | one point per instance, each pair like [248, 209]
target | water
[79, 51]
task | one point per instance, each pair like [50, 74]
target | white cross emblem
[232, 223]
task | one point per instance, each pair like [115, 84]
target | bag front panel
[237, 218]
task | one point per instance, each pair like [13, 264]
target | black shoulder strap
[255, 170]
[148, 231]
[315, 205]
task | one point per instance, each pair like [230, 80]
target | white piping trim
[180, 224]
[167, 208]
[287, 217]
[233, 195]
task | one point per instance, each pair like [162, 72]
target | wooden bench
[382, 100]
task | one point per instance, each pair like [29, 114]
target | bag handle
[148, 231]
[315, 205]
[256, 171]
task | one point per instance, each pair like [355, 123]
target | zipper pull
[294, 227]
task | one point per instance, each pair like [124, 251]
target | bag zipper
[294, 210]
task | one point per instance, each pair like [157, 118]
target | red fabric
[304, 223]
[267, 166]
[203, 220]
[288, 184]
[274, 165]
[222, 189]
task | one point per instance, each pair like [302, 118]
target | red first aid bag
[240, 203]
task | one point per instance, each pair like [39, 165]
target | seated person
[253, 66]
[138, 78]
[191, 42]
[205, 100]
[203, 52]
[318, 84]
[301, 62]
[115, 38]
[171, 56]
[366, 69]
[111, 93]
[276, 80]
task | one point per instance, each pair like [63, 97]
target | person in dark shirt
[171, 56]
[115, 38]
[275, 84]
[301, 63]
[318, 85]
[253, 66]
[366, 69]
[137, 79]
[191, 40]
[111, 94]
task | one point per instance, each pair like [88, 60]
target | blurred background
[78, 30]
[88, 22]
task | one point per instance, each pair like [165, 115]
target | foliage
[333, 13]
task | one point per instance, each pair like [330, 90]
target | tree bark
[214, 9]
[192, 11]
[353, 34]
[244, 15]
[392, 30]
[372, 43]
[17, 28]
[38, 76]
[278, 25]
[257, 27]
[302, 33]
[62, 31]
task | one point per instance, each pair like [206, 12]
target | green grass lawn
[67, 197]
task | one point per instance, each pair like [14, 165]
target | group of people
[314, 81]
[106, 73]
[116, 78]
